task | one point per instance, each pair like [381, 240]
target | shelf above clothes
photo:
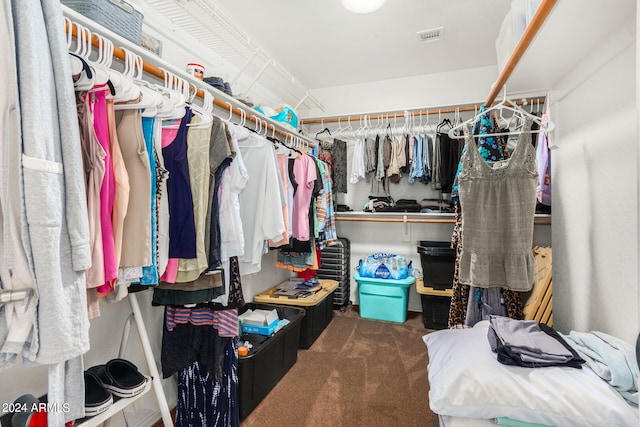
[415, 217]
[211, 26]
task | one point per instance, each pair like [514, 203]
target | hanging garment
[93, 160]
[427, 146]
[484, 303]
[122, 192]
[107, 192]
[543, 156]
[282, 162]
[198, 160]
[358, 169]
[54, 199]
[150, 273]
[260, 208]
[219, 159]
[18, 324]
[162, 200]
[416, 171]
[304, 170]
[498, 205]
[370, 157]
[204, 401]
[136, 247]
[234, 297]
[234, 180]
[488, 146]
[182, 230]
[339, 170]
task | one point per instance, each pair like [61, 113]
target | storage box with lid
[318, 308]
[438, 266]
[383, 299]
[269, 358]
[119, 16]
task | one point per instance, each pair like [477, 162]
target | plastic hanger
[510, 106]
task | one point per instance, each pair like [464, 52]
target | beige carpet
[359, 372]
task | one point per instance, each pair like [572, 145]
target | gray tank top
[498, 203]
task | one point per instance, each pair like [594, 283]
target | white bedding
[467, 381]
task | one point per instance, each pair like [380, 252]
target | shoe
[97, 399]
[120, 377]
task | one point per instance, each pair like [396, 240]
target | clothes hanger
[206, 116]
[506, 105]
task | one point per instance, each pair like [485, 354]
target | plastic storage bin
[435, 305]
[269, 359]
[438, 263]
[319, 310]
[383, 299]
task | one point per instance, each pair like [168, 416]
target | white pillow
[466, 380]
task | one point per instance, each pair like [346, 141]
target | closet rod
[421, 220]
[527, 37]
[414, 113]
[159, 73]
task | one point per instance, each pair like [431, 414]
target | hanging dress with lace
[498, 205]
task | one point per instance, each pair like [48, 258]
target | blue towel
[610, 358]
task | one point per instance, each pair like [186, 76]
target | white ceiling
[322, 45]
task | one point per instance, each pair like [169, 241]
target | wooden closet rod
[527, 37]
[539, 221]
[431, 111]
[159, 73]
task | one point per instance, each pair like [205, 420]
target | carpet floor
[359, 372]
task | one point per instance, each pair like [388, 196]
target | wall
[432, 90]
[594, 176]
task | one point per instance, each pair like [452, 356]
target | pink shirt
[304, 171]
[107, 193]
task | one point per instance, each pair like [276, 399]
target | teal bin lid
[389, 282]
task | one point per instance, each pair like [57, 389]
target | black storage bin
[316, 319]
[435, 311]
[269, 359]
[438, 263]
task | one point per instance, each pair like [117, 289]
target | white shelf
[573, 28]
[117, 406]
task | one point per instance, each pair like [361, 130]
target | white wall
[431, 90]
[594, 182]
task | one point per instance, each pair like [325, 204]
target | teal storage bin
[383, 299]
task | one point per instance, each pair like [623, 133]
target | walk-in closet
[319, 213]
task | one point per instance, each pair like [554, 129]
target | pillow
[466, 380]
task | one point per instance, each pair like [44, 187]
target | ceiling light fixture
[363, 6]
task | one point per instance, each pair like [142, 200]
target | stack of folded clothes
[530, 344]
[219, 83]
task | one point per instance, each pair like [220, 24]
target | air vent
[431, 35]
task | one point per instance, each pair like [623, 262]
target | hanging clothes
[150, 273]
[198, 140]
[205, 401]
[260, 208]
[339, 170]
[182, 231]
[499, 197]
[54, 200]
[543, 157]
[358, 169]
